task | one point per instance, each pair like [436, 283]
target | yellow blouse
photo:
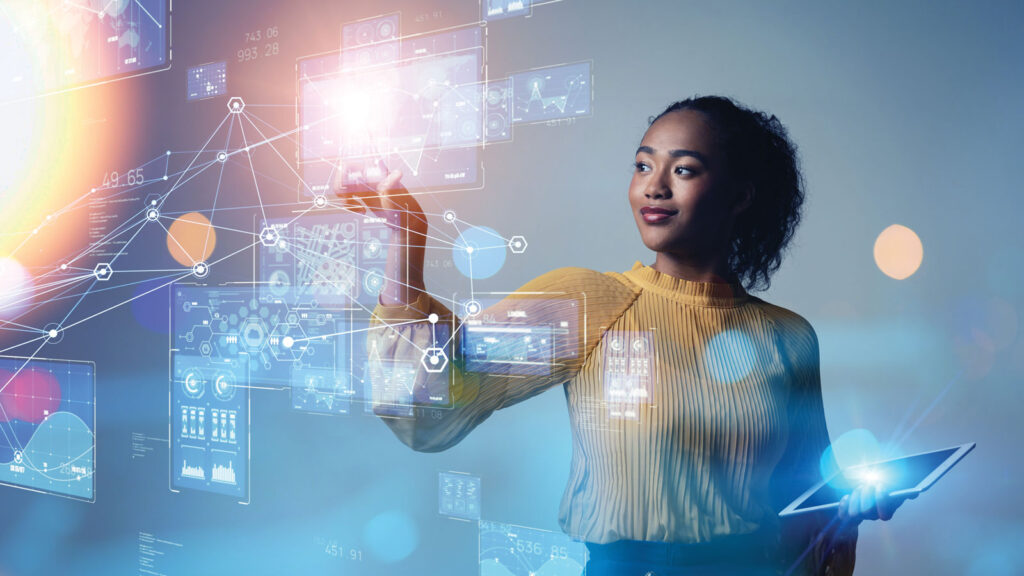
[695, 407]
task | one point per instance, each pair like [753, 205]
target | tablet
[904, 477]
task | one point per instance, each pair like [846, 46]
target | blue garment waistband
[755, 549]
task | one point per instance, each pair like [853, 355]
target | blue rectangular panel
[521, 551]
[333, 259]
[527, 337]
[507, 349]
[47, 426]
[79, 43]
[551, 93]
[207, 81]
[395, 387]
[458, 495]
[500, 9]
[216, 341]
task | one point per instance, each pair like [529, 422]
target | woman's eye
[641, 167]
[683, 170]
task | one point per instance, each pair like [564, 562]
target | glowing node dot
[53, 333]
[165, 178]
[168, 152]
[287, 342]
[432, 318]
[153, 202]
[898, 252]
[469, 249]
[63, 266]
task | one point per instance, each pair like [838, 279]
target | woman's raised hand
[392, 201]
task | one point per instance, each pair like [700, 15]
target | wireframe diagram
[95, 40]
[47, 426]
[336, 259]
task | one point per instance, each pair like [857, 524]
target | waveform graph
[552, 93]
[47, 426]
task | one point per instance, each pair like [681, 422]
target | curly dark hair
[758, 150]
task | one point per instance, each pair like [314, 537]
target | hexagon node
[103, 271]
[517, 244]
[269, 237]
[434, 360]
[236, 105]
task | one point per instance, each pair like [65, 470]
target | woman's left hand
[869, 502]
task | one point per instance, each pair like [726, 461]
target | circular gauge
[372, 248]
[374, 281]
[279, 283]
[615, 344]
[495, 96]
[385, 30]
[364, 33]
[639, 344]
[192, 383]
[224, 386]
[495, 125]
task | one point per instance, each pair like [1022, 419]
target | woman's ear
[746, 198]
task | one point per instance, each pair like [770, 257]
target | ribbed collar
[710, 294]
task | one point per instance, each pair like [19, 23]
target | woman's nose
[658, 188]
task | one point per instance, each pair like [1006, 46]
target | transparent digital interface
[506, 550]
[458, 495]
[221, 227]
[628, 363]
[47, 426]
[98, 40]
[207, 81]
[217, 344]
[523, 336]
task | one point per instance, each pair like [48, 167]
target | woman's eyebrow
[674, 153]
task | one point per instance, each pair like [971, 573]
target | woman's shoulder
[787, 323]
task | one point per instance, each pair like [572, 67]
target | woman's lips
[654, 215]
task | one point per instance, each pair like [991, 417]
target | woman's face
[682, 196]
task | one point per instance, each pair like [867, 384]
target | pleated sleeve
[515, 348]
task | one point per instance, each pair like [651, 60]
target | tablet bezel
[961, 451]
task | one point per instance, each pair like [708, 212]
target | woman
[685, 449]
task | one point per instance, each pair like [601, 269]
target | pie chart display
[47, 419]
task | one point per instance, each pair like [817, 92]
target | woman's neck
[695, 270]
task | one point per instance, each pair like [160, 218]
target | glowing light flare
[898, 252]
[853, 449]
[363, 109]
[191, 239]
[15, 289]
